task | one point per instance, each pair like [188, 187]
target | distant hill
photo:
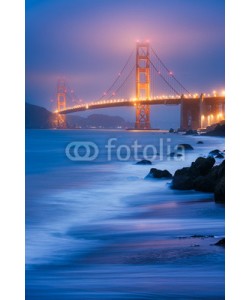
[97, 121]
[37, 117]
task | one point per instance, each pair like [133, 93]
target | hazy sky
[88, 42]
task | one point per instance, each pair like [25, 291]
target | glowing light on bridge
[209, 120]
[220, 117]
[142, 103]
[202, 121]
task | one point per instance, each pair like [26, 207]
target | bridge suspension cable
[170, 74]
[71, 93]
[162, 77]
[117, 79]
[123, 83]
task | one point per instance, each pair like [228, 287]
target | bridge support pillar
[213, 111]
[191, 113]
[142, 86]
[61, 103]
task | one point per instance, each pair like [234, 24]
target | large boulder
[211, 180]
[204, 165]
[219, 191]
[204, 184]
[155, 173]
[221, 170]
[183, 179]
[189, 178]
[218, 171]
[202, 176]
[218, 130]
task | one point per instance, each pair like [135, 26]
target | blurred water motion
[98, 230]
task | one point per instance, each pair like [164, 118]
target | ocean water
[98, 230]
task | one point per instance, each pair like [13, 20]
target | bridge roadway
[132, 102]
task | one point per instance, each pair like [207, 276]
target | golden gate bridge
[147, 81]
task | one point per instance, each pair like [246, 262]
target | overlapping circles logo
[82, 151]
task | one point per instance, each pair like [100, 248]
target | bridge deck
[131, 102]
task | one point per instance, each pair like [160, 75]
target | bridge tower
[61, 103]
[142, 85]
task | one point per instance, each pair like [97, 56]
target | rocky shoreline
[203, 175]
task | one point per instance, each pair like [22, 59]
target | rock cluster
[203, 176]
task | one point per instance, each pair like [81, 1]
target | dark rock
[182, 182]
[184, 147]
[184, 178]
[202, 176]
[184, 172]
[200, 142]
[214, 152]
[221, 243]
[204, 184]
[219, 170]
[191, 132]
[179, 155]
[188, 178]
[172, 154]
[204, 165]
[219, 155]
[209, 182]
[219, 191]
[155, 173]
[219, 130]
[171, 130]
[144, 162]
